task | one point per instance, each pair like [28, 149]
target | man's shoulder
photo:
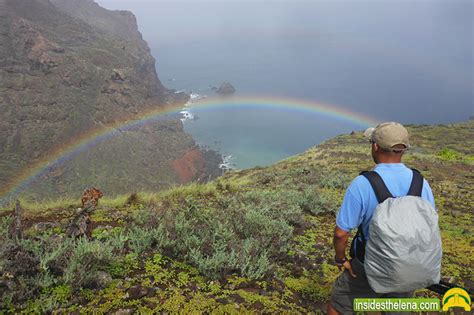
[359, 185]
[360, 180]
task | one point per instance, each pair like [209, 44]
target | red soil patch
[190, 166]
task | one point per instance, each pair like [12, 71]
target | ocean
[407, 61]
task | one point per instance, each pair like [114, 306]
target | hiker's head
[389, 141]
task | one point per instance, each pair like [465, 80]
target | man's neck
[388, 160]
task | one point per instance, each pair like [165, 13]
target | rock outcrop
[225, 89]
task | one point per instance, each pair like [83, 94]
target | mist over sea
[391, 60]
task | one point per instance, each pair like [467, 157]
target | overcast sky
[430, 41]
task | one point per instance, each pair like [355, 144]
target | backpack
[403, 252]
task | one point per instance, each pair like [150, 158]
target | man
[389, 141]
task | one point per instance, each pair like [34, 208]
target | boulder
[137, 292]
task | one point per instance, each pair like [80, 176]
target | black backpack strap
[381, 191]
[416, 184]
[357, 249]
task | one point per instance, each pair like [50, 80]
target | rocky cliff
[68, 67]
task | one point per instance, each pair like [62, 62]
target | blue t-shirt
[360, 201]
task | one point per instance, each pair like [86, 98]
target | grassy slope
[255, 240]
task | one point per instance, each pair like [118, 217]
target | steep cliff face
[122, 24]
[68, 67]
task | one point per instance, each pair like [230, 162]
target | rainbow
[91, 138]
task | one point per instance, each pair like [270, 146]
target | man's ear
[376, 147]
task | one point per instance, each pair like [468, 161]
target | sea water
[407, 61]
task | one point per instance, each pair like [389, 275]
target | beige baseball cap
[389, 134]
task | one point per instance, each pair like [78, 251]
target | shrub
[245, 232]
[123, 265]
[117, 238]
[51, 264]
[162, 238]
[53, 251]
[140, 239]
[85, 260]
[449, 155]
[254, 261]
[313, 201]
[336, 180]
[5, 224]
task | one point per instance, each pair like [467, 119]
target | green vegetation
[256, 240]
[448, 155]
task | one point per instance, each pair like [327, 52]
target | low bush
[86, 259]
[336, 180]
[245, 233]
[313, 201]
[449, 155]
[32, 265]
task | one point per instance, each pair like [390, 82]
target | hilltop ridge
[120, 23]
[256, 240]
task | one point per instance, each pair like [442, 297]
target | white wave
[196, 96]
[226, 163]
[186, 115]
[193, 98]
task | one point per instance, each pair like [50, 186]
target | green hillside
[257, 240]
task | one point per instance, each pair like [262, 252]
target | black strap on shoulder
[416, 184]
[381, 191]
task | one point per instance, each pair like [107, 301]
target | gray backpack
[403, 252]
